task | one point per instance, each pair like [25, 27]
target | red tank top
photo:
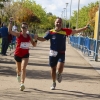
[22, 47]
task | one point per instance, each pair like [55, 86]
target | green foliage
[41, 34]
[0, 40]
[36, 9]
[40, 21]
[1, 6]
[84, 15]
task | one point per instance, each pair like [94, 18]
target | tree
[1, 7]
[93, 9]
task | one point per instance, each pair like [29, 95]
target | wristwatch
[10, 22]
[34, 40]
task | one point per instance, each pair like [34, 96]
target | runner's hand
[11, 19]
[35, 36]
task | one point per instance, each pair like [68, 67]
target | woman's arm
[10, 28]
[35, 40]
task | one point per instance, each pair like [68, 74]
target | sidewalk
[80, 80]
[90, 60]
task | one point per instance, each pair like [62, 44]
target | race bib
[24, 45]
[53, 53]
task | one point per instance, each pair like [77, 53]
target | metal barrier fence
[85, 44]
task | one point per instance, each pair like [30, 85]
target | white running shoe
[59, 77]
[53, 86]
[19, 78]
[22, 87]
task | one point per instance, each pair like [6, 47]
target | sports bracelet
[34, 40]
[10, 22]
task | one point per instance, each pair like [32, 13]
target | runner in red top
[21, 54]
[21, 48]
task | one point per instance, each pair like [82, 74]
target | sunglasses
[24, 27]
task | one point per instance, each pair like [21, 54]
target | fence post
[97, 44]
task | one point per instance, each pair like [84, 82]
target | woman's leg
[18, 71]
[18, 61]
[23, 69]
[18, 68]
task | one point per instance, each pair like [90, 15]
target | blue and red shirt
[58, 39]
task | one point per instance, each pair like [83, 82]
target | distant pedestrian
[57, 38]
[21, 54]
[5, 40]
[15, 29]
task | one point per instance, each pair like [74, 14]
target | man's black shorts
[54, 60]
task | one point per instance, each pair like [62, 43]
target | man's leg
[60, 67]
[6, 46]
[53, 73]
[2, 48]
[53, 64]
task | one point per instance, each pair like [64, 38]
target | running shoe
[22, 87]
[53, 86]
[19, 78]
[59, 77]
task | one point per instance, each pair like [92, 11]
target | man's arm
[79, 30]
[33, 42]
[41, 39]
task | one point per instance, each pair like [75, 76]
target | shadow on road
[45, 74]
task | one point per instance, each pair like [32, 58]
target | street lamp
[70, 12]
[77, 14]
[64, 18]
[62, 14]
[66, 13]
